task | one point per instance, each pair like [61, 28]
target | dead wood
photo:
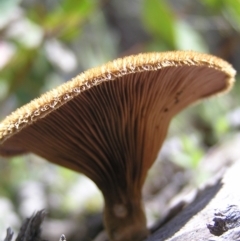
[215, 211]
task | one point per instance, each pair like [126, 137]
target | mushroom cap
[109, 122]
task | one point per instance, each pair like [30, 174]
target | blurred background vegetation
[44, 43]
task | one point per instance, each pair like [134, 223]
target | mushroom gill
[110, 122]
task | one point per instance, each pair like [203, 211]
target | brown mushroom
[110, 122]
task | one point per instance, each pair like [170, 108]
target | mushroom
[110, 122]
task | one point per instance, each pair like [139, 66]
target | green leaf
[65, 20]
[191, 149]
[230, 9]
[159, 20]
[233, 12]
[190, 154]
[221, 126]
[215, 5]
[189, 39]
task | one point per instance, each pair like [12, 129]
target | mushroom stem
[110, 122]
[125, 221]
